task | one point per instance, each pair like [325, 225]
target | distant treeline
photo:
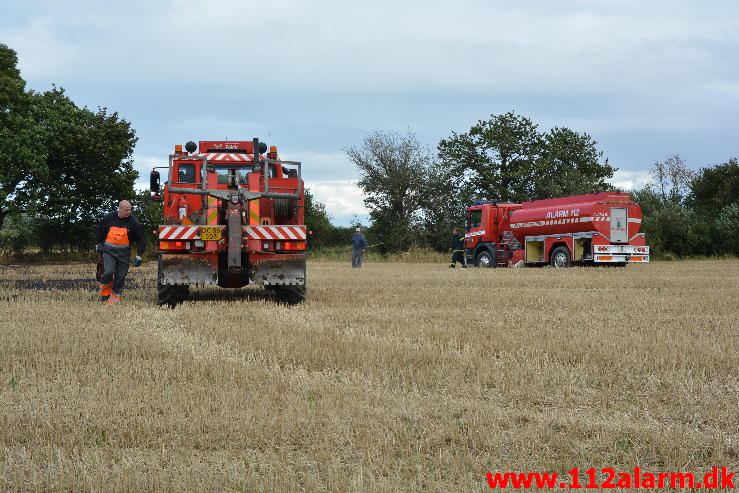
[63, 167]
[416, 196]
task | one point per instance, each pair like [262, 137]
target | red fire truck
[595, 229]
[232, 217]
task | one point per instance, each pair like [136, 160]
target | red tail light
[174, 245]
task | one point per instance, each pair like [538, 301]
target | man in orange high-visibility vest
[114, 238]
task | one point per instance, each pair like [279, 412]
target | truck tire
[485, 260]
[291, 295]
[560, 257]
[171, 295]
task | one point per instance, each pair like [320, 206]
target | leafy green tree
[570, 164]
[713, 188]
[444, 203]
[22, 155]
[89, 167]
[316, 221]
[507, 158]
[499, 156]
[393, 169]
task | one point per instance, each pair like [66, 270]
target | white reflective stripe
[297, 231]
[634, 220]
[586, 219]
[165, 232]
[276, 232]
[286, 230]
[476, 233]
[178, 233]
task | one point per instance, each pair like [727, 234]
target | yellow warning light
[273, 149]
[178, 148]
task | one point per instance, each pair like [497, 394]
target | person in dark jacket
[457, 249]
[359, 245]
[114, 236]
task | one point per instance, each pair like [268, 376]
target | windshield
[242, 172]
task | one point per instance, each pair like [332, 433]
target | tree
[498, 156]
[704, 221]
[393, 169]
[713, 188]
[444, 200]
[570, 164]
[21, 154]
[316, 221]
[88, 164]
[150, 214]
[672, 178]
[506, 158]
[62, 164]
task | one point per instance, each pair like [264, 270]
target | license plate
[210, 233]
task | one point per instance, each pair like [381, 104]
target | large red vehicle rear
[601, 228]
[232, 217]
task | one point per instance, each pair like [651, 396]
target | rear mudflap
[186, 268]
[278, 269]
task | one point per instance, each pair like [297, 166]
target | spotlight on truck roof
[191, 146]
[262, 148]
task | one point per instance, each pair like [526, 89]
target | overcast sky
[644, 79]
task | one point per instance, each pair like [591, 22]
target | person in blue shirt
[359, 245]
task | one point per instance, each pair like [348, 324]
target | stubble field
[395, 377]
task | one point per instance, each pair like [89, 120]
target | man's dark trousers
[115, 270]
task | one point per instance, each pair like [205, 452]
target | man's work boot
[114, 299]
[105, 290]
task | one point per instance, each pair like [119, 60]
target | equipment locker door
[619, 225]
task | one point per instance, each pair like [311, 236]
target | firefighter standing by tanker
[457, 249]
[114, 236]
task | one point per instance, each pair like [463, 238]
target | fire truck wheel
[485, 260]
[171, 295]
[560, 257]
[292, 295]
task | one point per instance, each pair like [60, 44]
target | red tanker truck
[593, 229]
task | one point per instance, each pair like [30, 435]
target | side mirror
[154, 178]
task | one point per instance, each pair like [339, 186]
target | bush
[15, 240]
[673, 228]
[727, 229]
